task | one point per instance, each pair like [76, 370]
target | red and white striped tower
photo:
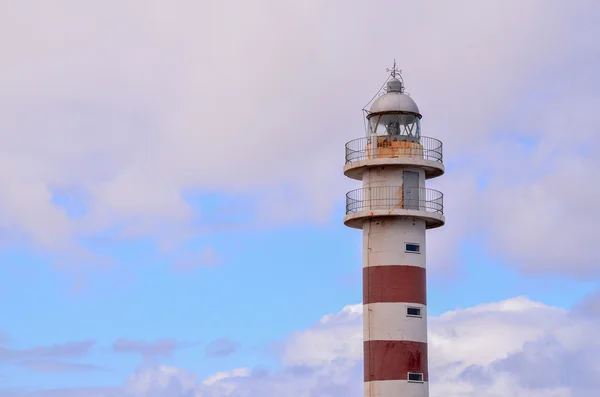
[394, 210]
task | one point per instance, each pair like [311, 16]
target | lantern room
[394, 114]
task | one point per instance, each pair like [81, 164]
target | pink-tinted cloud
[131, 144]
[65, 350]
[160, 348]
[56, 366]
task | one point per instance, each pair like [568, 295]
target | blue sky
[292, 274]
[172, 194]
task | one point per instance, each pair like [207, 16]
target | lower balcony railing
[394, 197]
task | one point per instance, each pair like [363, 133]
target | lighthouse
[394, 209]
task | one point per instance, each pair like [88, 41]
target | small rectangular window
[415, 377]
[413, 311]
[412, 248]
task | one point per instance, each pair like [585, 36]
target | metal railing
[387, 147]
[394, 197]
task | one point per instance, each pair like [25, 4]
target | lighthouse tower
[394, 209]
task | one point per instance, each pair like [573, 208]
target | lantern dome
[394, 100]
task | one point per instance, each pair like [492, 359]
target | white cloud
[157, 382]
[333, 338]
[515, 347]
[128, 111]
[219, 376]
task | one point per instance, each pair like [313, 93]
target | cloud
[515, 347]
[221, 348]
[333, 338]
[148, 350]
[89, 392]
[44, 358]
[65, 350]
[55, 366]
[527, 336]
[162, 381]
[235, 373]
[589, 306]
[132, 120]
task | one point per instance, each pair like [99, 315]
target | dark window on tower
[415, 377]
[413, 248]
[413, 311]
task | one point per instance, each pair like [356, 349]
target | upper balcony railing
[381, 147]
[394, 197]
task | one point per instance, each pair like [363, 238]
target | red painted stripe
[393, 360]
[394, 284]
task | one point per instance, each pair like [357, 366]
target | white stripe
[384, 242]
[388, 321]
[396, 388]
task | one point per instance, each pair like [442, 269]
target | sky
[172, 194]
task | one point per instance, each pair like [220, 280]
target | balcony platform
[386, 201]
[432, 220]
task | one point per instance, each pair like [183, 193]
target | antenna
[395, 83]
[394, 71]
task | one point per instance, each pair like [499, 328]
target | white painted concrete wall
[384, 242]
[388, 321]
[396, 388]
[389, 176]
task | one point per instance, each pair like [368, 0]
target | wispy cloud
[221, 348]
[56, 366]
[65, 350]
[148, 350]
